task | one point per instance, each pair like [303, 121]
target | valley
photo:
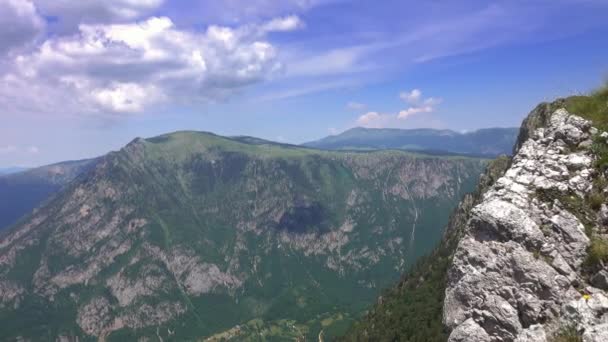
[192, 234]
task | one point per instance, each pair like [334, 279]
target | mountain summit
[190, 234]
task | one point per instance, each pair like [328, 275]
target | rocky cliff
[525, 269]
[523, 258]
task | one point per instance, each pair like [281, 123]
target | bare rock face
[95, 317]
[517, 273]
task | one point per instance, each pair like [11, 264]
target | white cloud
[411, 97]
[20, 23]
[125, 68]
[419, 105]
[404, 114]
[126, 97]
[374, 120]
[356, 106]
[289, 23]
[33, 150]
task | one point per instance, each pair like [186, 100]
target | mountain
[192, 235]
[524, 257]
[23, 191]
[489, 142]
[9, 170]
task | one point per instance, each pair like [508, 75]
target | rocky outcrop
[518, 273]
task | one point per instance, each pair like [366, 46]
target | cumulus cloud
[374, 120]
[285, 24]
[124, 68]
[33, 150]
[20, 23]
[404, 114]
[411, 97]
[419, 105]
[126, 97]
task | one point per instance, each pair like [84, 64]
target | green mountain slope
[412, 309]
[189, 235]
[485, 142]
[21, 192]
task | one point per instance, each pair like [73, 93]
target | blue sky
[82, 78]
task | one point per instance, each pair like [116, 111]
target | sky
[82, 78]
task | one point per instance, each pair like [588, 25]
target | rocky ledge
[520, 273]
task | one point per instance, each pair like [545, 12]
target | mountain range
[21, 192]
[490, 142]
[191, 235]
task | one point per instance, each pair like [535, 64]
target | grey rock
[604, 214]
[600, 280]
[469, 330]
[586, 144]
[597, 333]
[514, 273]
[535, 333]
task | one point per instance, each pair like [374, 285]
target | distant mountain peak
[484, 142]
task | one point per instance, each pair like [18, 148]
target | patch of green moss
[597, 252]
[596, 199]
[593, 107]
[567, 334]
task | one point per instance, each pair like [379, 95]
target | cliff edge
[522, 272]
[524, 257]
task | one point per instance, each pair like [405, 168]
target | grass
[597, 253]
[593, 107]
[567, 334]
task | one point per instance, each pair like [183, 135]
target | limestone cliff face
[521, 272]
